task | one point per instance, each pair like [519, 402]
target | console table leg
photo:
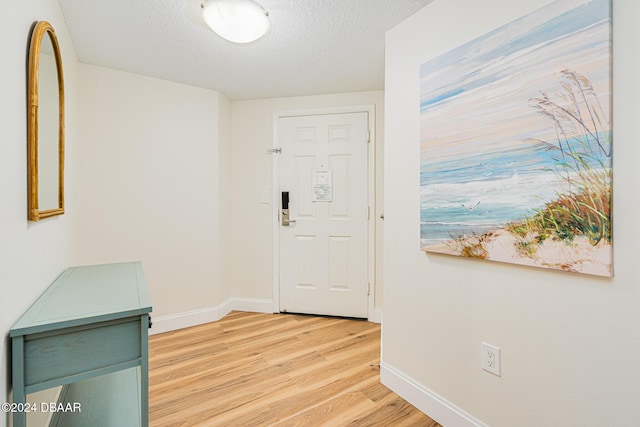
[19, 397]
[144, 369]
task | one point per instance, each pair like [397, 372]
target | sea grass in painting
[516, 148]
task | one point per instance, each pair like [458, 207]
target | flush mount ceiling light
[239, 21]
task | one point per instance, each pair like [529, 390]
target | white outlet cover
[491, 358]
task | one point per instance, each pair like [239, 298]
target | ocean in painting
[482, 164]
[484, 192]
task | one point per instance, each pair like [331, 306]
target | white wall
[570, 343]
[32, 255]
[153, 185]
[252, 124]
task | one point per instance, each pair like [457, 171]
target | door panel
[306, 253]
[323, 254]
[339, 166]
[305, 165]
[339, 263]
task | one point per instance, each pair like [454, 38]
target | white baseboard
[376, 316]
[427, 401]
[187, 319]
[173, 322]
[253, 305]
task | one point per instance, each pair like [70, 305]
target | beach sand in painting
[579, 255]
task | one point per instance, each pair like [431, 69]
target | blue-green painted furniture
[86, 332]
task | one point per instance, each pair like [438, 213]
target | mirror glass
[47, 128]
[46, 125]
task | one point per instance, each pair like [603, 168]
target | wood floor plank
[309, 397]
[332, 412]
[255, 369]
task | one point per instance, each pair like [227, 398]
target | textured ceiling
[313, 46]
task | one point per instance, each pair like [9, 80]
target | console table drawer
[67, 353]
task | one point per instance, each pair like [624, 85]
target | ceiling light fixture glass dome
[239, 21]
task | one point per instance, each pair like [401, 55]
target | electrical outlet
[491, 358]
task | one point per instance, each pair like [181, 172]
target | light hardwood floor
[253, 369]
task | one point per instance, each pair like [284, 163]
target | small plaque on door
[322, 186]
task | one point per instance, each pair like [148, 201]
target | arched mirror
[45, 128]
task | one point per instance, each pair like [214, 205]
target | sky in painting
[477, 169]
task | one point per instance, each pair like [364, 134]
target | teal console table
[89, 333]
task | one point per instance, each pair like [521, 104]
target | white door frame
[371, 199]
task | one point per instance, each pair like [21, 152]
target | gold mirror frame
[41, 29]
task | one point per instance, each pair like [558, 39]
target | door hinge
[368, 289]
[368, 213]
[368, 136]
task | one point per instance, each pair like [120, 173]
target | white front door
[323, 260]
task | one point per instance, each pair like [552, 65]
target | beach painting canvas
[516, 142]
